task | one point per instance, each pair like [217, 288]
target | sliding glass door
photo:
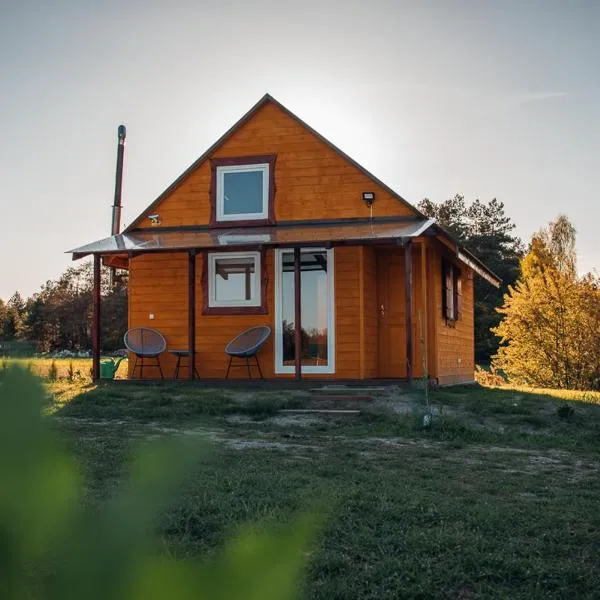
[317, 302]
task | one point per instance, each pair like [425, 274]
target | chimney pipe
[116, 213]
[115, 226]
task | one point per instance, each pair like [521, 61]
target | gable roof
[267, 98]
[120, 241]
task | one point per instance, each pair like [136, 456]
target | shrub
[489, 378]
[52, 372]
[71, 372]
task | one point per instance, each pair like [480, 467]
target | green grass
[499, 499]
[82, 367]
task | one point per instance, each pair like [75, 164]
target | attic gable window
[242, 190]
[451, 292]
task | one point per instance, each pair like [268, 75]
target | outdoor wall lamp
[154, 219]
[368, 198]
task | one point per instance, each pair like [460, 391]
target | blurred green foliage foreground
[53, 547]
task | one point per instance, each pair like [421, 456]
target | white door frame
[280, 368]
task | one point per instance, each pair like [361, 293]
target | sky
[482, 98]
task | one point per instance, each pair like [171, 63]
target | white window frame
[255, 299]
[280, 368]
[221, 171]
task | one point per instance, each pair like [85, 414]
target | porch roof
[282, 235]
[158, 239]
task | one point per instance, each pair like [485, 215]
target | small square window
[242, 192]
[234, 279]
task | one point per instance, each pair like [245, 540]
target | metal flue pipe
[115, 226]
[116, 213]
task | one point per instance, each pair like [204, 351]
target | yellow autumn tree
[550, 331]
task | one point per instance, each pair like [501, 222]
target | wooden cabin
[384, 292]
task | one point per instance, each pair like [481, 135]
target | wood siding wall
[158, 286]
[312, 180]
[397, 300]
[370, 312]
[455, 341]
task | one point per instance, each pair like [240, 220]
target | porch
[352, 300]
[330, 317]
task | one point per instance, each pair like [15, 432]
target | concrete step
[321, 411]
[342, 390]
[340, 398]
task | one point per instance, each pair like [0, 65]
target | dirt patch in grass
[287, 420]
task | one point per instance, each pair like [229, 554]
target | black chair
[246, 346]
[145, 343]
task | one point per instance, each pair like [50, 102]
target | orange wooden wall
[158, 285]
[369, 313]
[454, 341]
[312, 180]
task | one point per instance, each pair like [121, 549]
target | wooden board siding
[455, 356]
[158, 285]
[312, 180]
[347, 313]
[432, 320]
[418, 309]
[389, 263]
[369, 319]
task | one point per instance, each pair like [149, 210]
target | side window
[451, 292]
[457, 294]
[447, 291]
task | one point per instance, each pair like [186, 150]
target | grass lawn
[499, 499]
[82, 367]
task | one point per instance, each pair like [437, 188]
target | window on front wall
[242, 192]
[234, 279]
[451, 292]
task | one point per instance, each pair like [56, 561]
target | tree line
[59, 316]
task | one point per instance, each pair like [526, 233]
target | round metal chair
[246, 346]
[145, 343]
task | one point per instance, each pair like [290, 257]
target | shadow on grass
[171, 403]
[534, 416]
[461, 415]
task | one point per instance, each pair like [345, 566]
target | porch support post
[424, 324]
[192, 314]
[408, 287]
[96, 320]
[297, 314]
